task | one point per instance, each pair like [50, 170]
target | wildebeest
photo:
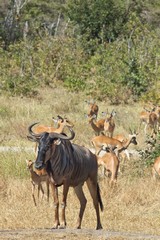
[68, 164]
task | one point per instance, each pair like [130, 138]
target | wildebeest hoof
[99, 227]
[62, 227]
[55, 227]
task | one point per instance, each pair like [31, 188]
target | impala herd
[104, 140]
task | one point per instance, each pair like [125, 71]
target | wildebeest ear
[57, 142]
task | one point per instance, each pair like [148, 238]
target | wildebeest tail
[99, 197]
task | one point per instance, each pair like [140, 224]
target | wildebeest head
[45, 141]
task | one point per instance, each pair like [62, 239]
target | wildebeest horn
[32, 133]
[32, 138]
[62, 136]
[52, 135]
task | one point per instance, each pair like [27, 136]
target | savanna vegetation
[54, 55]
[107, 48]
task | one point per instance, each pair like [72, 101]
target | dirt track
[71, 234]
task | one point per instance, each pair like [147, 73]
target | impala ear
[113, 113]
[54, 120]
[104, 113]
[130, 130]
[136, 133]
[59, 117]
[27, 161]
[94, 116]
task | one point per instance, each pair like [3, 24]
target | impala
[93, 109]
[156, 168]
[104, 142]
[153, 123]
[37, 180]
[120, 137]
[109, 124]
[151, 119]
[97, 126]
[110, 162]
[62, 123]
[123, 139]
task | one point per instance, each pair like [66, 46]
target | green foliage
[149, 159]
[75, 84]
[104, 20]
[108, 49]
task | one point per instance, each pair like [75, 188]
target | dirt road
[72, 234]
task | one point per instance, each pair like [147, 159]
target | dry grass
[132, 206]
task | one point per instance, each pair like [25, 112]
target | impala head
[133, 136]
[63, 120]
[133, 139]
[90, 118]
[93, 108]
[91, 102]
[113, 113]
[29, 164]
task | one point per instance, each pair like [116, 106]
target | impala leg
[33, 189]
[145, 129]
[154, 173]
[83, 201]
[64, 200]
[127, 153]
[92, 186]
[56, 205]
[41, 189]
[113, 180]
[140, 126]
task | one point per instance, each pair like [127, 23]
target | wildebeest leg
[83, 201]
[64, 199]
[47, 185]
[56, 205]
[92, 186]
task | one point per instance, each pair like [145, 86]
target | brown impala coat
[101, 142]
[156, 168]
